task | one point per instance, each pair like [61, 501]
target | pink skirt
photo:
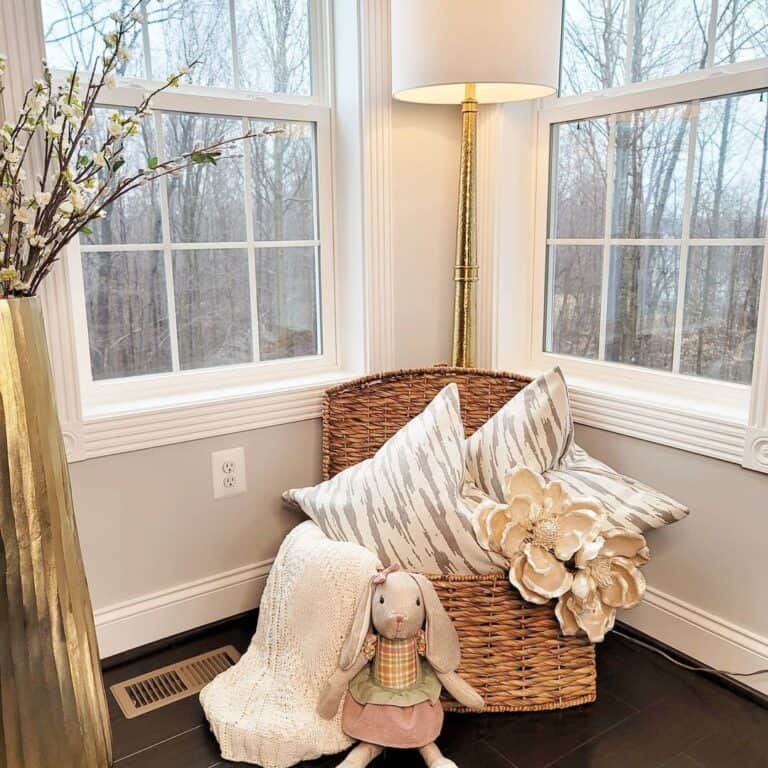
[389, 726]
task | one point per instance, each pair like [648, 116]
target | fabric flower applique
[607, 578]
[539, 530]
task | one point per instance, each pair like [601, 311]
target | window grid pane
[720, 322]
[260, 46]
[594, 46]
[642, 301]
[669, 37]
[649, 172]
[213, 312]
[205, 202]
[135, 217]
[211, 291]
[579, 162]
[287, 282]
[658, 302]
[127, 335]
[574, 299]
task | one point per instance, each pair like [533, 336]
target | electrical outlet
[228, 469]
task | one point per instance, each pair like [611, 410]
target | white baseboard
[144, 619]
[702, 635]
[708, 638]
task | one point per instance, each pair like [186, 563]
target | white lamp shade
[510, 49]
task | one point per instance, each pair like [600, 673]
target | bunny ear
[443, 651]
[361, 624]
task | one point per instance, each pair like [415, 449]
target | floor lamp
[472, 52]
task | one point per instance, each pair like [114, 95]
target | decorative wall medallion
[756, 449]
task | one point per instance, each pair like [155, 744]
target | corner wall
[425, 179]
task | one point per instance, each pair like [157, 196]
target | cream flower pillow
[607, 577]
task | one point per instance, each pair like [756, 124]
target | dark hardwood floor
[648, 713]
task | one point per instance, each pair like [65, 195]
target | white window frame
[351, 106]
[733, 399]
[720, 419]
[103, 397]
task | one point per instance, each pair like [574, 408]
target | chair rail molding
[756, 436]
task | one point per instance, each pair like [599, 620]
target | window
[656, 236]
[658, 189]
[226, 267]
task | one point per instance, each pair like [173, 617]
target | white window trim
[102, 397]
[359, 319]
[716, 419]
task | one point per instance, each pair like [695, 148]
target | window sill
[707, 430]
[141, 424]
[709, 427]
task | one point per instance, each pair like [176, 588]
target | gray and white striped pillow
[630, 504]
[404, 503]
[535, 429]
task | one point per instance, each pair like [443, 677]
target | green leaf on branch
[83, 160]
[205, 157]
[86, 230]
[117, 165]
[152, 163]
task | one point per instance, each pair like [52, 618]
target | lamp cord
[691, 667]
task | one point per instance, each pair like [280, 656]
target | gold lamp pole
[470, 53]
[466, 270]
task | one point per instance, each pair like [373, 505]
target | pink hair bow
[381, 576]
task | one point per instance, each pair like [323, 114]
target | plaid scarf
[396, 665]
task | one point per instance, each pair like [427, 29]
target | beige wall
[717, 558]
[148, 520]
[425, 187]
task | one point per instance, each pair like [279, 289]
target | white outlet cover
[228, 472]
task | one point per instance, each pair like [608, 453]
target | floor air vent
[160, 687]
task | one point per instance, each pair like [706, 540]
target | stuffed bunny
[392, 693]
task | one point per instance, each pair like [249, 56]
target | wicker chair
[513, 652]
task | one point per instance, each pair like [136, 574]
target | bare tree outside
[648, 190]
[577, 210]
[196, 249]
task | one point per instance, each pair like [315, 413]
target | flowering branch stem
[80, 177]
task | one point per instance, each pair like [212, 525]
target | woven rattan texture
[513, 652]
[359, 417]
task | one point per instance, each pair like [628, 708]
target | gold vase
[52, 703]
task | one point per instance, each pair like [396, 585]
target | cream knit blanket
[262, 710]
